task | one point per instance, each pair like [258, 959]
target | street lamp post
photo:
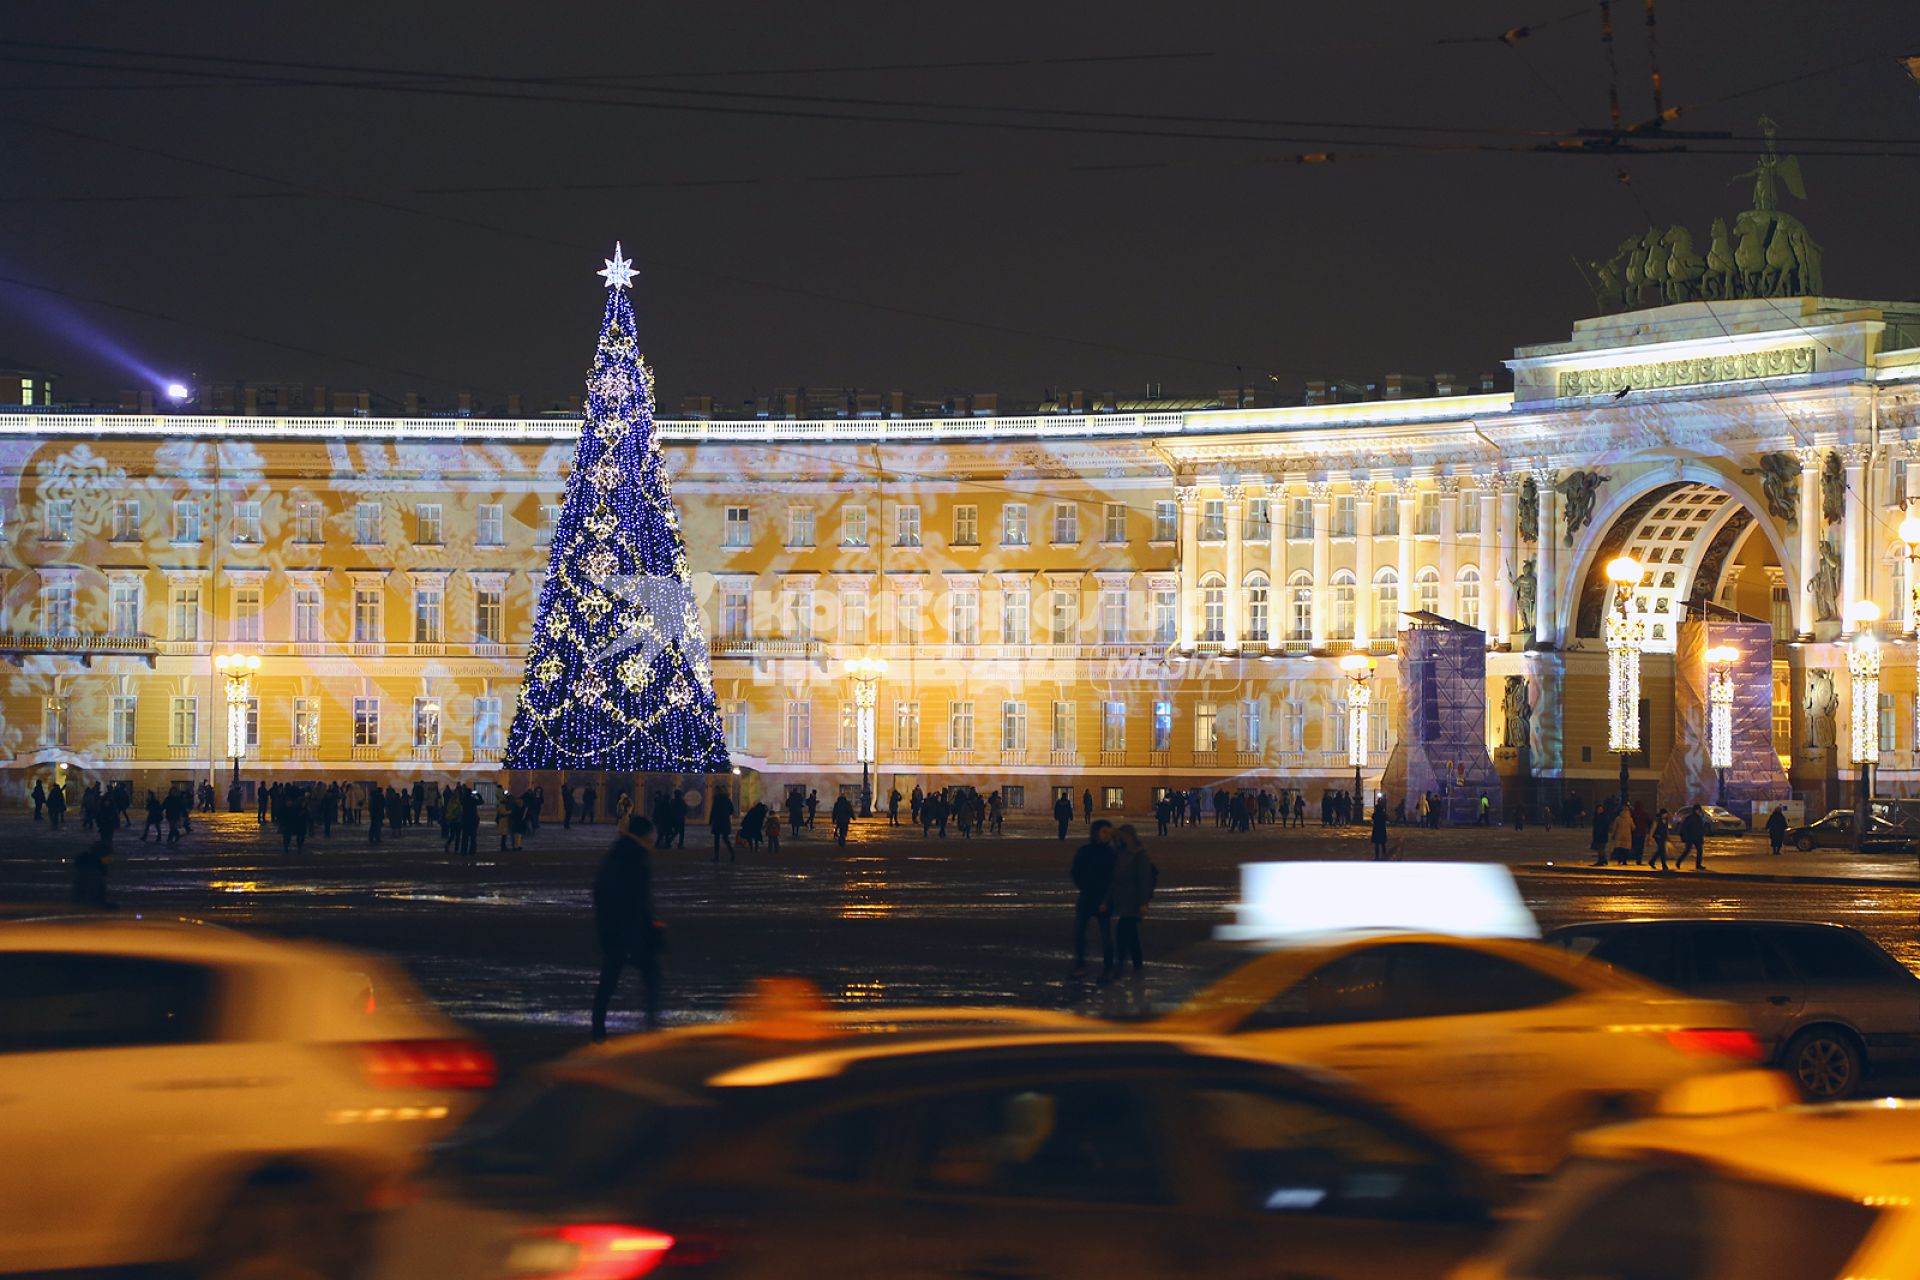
[1720, 660]
[238, 668]
[1359, 669]
[1910, 534]
[1626, 633]
[1863, 665]
[866, 673]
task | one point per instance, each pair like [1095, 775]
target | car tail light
[1717, 1042]
[588, 1251]
[428, 1064]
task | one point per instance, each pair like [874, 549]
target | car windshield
[1687, 1223]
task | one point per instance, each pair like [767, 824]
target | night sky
[437, 225]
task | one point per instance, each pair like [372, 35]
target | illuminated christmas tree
[618, 677]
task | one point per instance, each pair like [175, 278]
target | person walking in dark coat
[842, 819]
[813, 805]
[623, 919]
[1657, 840]
[1777, 828]
[1086, 804]
[1134, 878]
[1062, 813]
[588, 799]
[56, 806]
[1380, 829]
[1693, 838]
[720, 822]
[39, 799]
[796, 812]
[1092, 873]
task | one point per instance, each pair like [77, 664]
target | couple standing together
[1116, 880]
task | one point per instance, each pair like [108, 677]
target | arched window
[1896, 584]
[1213, 609]
[1426, 590]
[1300, 603]
[1468, 590]
[1343, 602]
[1386, 603]
[1256, 608]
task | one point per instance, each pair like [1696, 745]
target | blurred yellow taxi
[1800, 1193]
[185, 1096]
[1504, 1046]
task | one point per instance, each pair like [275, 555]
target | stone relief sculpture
[1529, 510]
[1777, 473]
[1820, 703]
[1826, 583]
[1581, 489]
[1833, 489]
[1526, 590]
[1516, 706]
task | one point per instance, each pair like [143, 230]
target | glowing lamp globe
[1625, 571]
[177, 391]
[1724, 655]
[1355, 663]
[1863, 611]
[1910, 530]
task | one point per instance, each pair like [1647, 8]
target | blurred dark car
[1036, 1151]
[1827, 1003]
[1887, 832]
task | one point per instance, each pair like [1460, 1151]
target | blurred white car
[1505, 1047]
[185, 1095]
[1722, 822]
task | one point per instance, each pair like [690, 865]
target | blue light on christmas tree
[618, 677]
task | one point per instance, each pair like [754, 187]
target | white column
[1853, 529]
[1189, 498]
[1362, 561]
[1236, 508]
[1449, 546]
[1810, 463]
[1507, 550]
[1546, 569]
[1404, 494]
[1276, 564]
[1491, 621]
[1322, 494]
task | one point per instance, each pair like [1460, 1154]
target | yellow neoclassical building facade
[1108, 603]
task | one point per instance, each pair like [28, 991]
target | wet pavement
[504, 941]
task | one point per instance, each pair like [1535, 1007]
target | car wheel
[286, 1232]
[1825, 1062]
[1804, 844]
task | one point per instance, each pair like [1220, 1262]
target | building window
[736, 610]
[1013, 524]
[56, 609]
[1386, 514]
[252, 728]
[906, 526]
[1345, 517]
[960, 726]
[1061, 737]
[549, 522]
[1293, 726]
[853, 527]
[1344, 602]
[486, 726]
[366, 615]
[53, 721]
[799, 740]
[1166, 521]
[1426, 514]
[1259, 522]
[1300, 518]
[306, 722]
[123, 598]
[853, 617]
[1250, 739]
[1213, 520]
[1064, 621]
[1162, 726]
[1386, 602]
[184, 608]
[1468, 518]
[906, 726]
[1781, 612]
[426, 722]
[489, 613]
[1426, 590]
[1300, 604]
[799, 612]
[366, 524]
[1213, 609]
[426, 524]
[738, 530]
[126, 520]
[429, 614]
[1113, 615]
[1014, 616]
[58, 520]
[1206, 726]
[246, 523]
[1014, 794]
[1257, 610]
[1166, 615]
[849, 728]
[1066, 523]
[734, 725]
[799, 527]
[1113, 798]
[183, 728]
[186, 520]
[964, 620]
[1886, 722]
[1469, 592]
[906, 617]
[366, 722]
[1113, 726]
[966, 526]
[1116, 531]
[246, 615]
[120, 719]
[307, 517]
[1013, 726]
[489, 525]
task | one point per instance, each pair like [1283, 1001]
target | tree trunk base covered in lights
[618, 677]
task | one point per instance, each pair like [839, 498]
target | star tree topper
[619, 272]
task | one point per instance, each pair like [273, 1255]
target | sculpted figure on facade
[1581, 489]
[1516, 708]
[1826, 583]
[1778, 472]
[1526, 591]
[1833, 488]
[1820, 703]
[1529, 510]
